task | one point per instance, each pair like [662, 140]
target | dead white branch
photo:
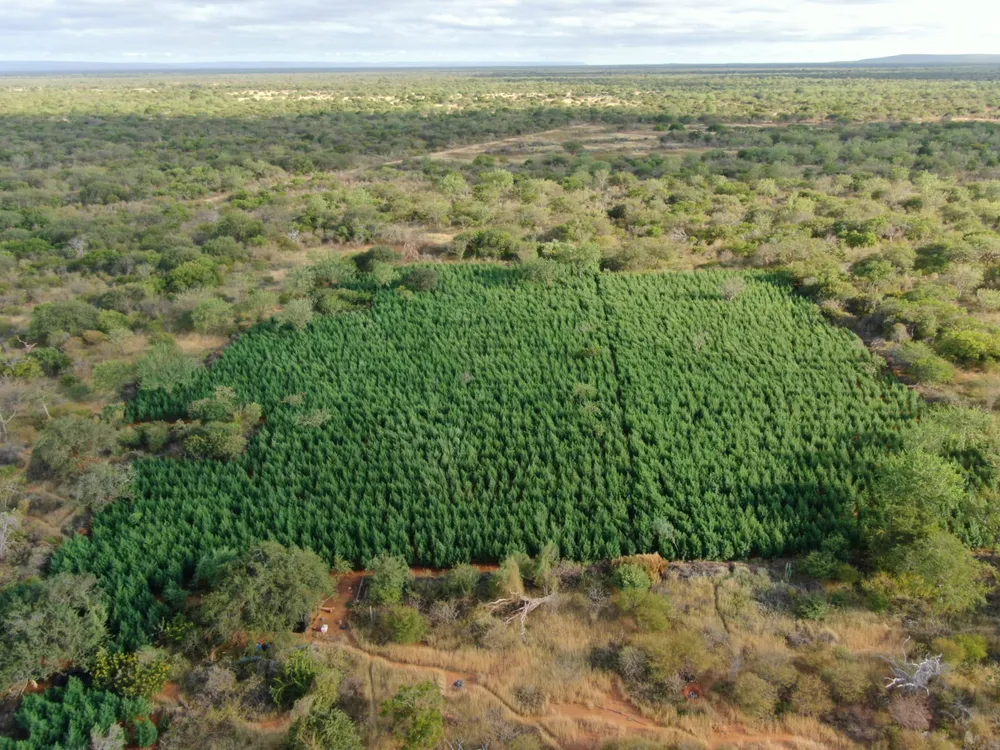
[912, 676]
[518, 608]
[9, 523]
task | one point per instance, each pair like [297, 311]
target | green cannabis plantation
[609, 414]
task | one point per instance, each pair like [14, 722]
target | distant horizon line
[95, 66]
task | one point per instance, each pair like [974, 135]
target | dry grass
[199, 343]
[866, 632]
[814, 734]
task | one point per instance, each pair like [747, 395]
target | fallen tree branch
[911, 676]
[518, 608]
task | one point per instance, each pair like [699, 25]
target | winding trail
[612, 712]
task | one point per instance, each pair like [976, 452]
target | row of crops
[610, 414]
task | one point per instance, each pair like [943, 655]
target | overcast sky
[591, 31]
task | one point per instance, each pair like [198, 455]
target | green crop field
[610, 414]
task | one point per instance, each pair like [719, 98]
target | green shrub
[847, 680]
[754, 695]
[194, 274]
[682, 653]
[216, 440]
[422, 279]
[267, 589]
[113, 375]
[811, 607]
[506, 582]
[295, 678]
[489, 243]
[463, 580]
[631, 576]
[963, 649]
[810, 696]
[53, 361]
[129, 674]
[922, 364]
[403, 624]
[145, 732]
[324, 728]
[415, 715]
[969, 345]
[367, 260]
[389, 575]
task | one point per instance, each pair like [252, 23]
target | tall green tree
[47, 624]
[268, 589]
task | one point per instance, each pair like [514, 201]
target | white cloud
[594, 31]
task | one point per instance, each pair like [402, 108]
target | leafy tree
[225, 247]
[164, 366]
[72, 317]
[212, 566]
[415, 715]
[48, 623]
[240, 226]
[218, 440]
[463, 580]
[333, 269]
[732, 287]
[69, 444]
[754, 695]
[194, 274]
[942, 572]
[383, 274]
[401, 624]
[268, 589]
[389, 575]
[923, 364]
[913, 493]
[53, 361]
[969, 345]
[212, 315]
[103, 483]
[421, 279]
[297, 313]
[134, 675]
[488, 243]
[145, 732]
[367, 260]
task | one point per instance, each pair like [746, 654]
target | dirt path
[613, 712]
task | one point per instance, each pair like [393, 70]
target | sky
[495, 31]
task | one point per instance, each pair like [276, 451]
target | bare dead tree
[11, 402]
[911, 676]
[9, 523]
[45, 397]
[79, 246]
[518, 608]
[10, 491]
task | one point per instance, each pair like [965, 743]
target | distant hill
[932, 60]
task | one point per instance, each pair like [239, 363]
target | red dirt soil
[613, 711]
